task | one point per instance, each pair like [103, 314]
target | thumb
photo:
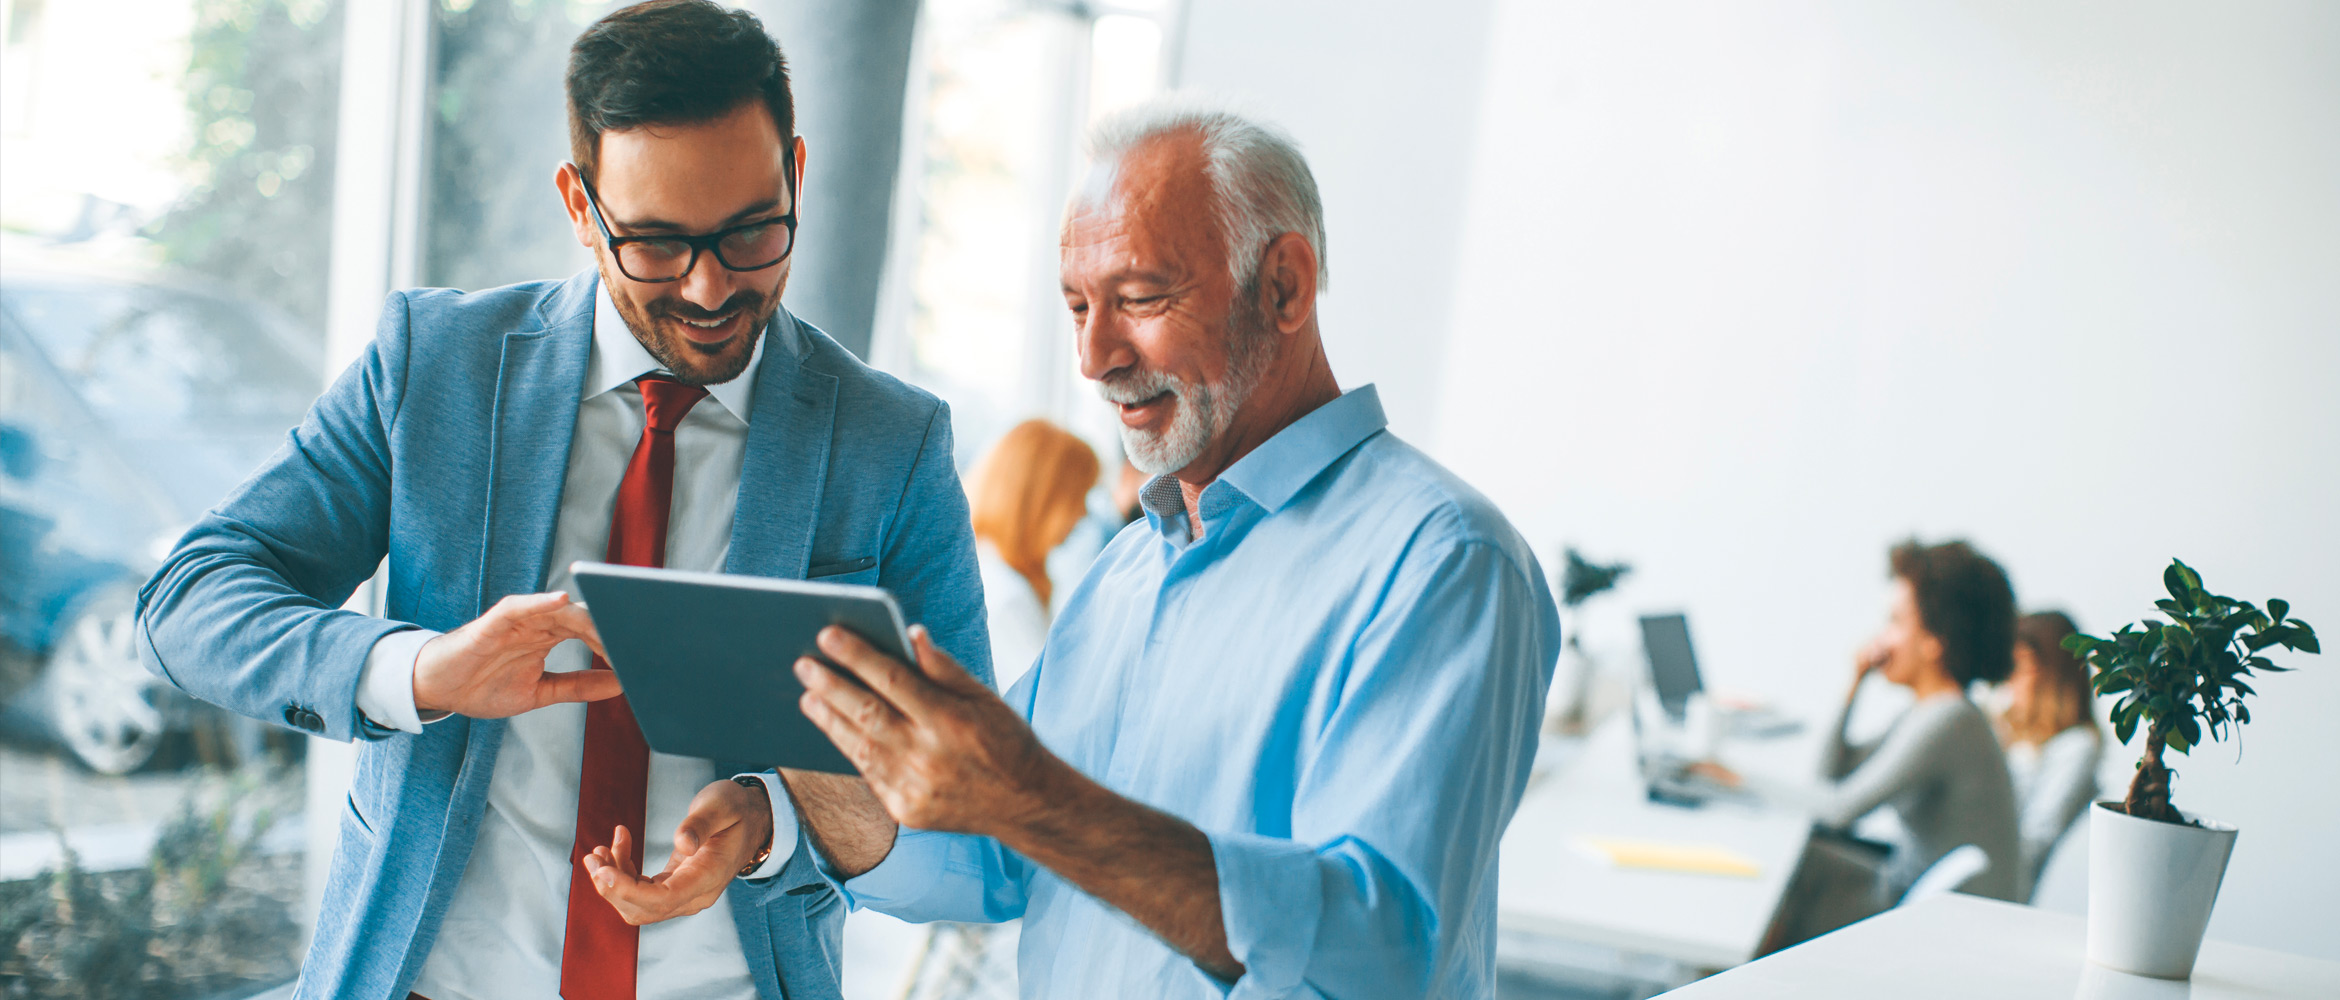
[577, 685]
[937, 665]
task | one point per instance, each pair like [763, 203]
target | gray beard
[1204, 411]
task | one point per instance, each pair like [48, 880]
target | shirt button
[292, 717]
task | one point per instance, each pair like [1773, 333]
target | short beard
[1202, 412]
[693, 363]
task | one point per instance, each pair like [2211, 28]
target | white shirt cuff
[385, 692]
[783, 825]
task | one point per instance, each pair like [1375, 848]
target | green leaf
[2125, 728]
[2114, 683]
[2305, 640]
[2193, 579]
[2176, 741]
[2190, 729]
[2276, 608]
[2174, 579]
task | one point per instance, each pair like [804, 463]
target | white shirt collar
[619, 359]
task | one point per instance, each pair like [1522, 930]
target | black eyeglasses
[751, 247]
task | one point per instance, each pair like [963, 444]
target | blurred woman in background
[1938, 770]
[2049, 733]
[1026, 495]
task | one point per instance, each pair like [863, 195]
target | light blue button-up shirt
[1340, 683]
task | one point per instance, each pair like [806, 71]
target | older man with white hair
[1281, 725]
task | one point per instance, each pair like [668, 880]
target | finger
[572, 621]
[841, 731]
[940, 667]
[905, 688]
[621, 851]
[577, 685]
[867, 710]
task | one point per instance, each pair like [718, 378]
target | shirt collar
[1286, 463]
[619, 359]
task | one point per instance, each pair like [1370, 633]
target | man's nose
[709, 284]
[1102, 338]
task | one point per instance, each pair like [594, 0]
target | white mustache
[1139, 386]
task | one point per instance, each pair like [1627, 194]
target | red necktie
[599, 949]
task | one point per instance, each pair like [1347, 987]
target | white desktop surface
[1966, 946]
[1548, 888]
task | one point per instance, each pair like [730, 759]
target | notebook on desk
[1652, 855]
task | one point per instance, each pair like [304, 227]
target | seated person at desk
[2050, 737]
[1939, 767]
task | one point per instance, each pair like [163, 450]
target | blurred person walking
[1027, 494]
[2048, 730]
[661, 409]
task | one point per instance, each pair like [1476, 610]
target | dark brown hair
[671, 62]
[1963, 598]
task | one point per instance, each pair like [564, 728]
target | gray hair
[1261, 183]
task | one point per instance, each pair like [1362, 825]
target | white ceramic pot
[2150, 888]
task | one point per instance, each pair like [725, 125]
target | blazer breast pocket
[861, 570]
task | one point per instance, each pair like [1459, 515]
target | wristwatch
[764, 853]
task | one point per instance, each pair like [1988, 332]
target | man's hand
[938, 747]
[727, 825]
[494, 667]
[942, 752]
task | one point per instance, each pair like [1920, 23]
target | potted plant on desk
[1580, 580]
[2153, 872]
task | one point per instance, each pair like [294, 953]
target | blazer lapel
[537, 390]
[786, 463]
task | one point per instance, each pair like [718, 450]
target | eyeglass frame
[708, 243]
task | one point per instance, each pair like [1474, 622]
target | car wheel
[103, 704]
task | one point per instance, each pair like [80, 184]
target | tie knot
[665, 401]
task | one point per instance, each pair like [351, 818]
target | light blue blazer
[444, 448]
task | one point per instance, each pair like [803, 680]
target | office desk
[1966, 946]
[1549, 889]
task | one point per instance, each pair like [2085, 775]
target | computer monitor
[1673, 668]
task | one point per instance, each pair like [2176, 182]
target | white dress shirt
[503, 930]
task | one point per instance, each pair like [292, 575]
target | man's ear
[798, 152]
[1287, 280]
[572, 191]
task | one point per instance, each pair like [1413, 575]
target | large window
[1000, 92]
[167, 199]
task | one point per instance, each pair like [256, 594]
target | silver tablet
[707, 658]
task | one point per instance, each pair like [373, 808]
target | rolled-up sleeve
[941, 876]
[1386, 886]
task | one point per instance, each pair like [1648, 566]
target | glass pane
[499, 127]
[166, 214]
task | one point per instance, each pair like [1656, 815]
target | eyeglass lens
[740, 250]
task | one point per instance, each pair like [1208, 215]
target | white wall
[1382, 96]
[1748, 292]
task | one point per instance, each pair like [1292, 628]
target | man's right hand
[494, 667]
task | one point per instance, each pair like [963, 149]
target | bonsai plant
[2153, 871]
[2185, 676]
[1580, 581]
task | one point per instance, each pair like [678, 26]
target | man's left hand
[937, 746]
[727, 825]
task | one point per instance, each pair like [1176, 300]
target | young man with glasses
[661, 409]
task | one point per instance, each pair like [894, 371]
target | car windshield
[137, 354]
